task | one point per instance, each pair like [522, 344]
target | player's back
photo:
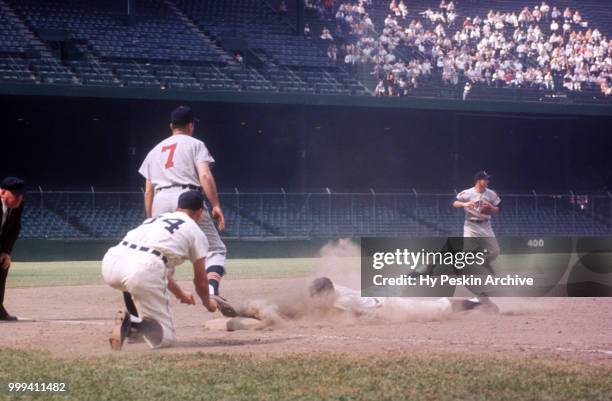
[175, 235]
[174, 161]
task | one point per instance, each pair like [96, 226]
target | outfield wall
[70, 142]
[558, 107]
[34, 250]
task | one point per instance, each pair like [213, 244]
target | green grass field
[203, 376]
[34, 274]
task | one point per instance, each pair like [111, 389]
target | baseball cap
[182, 115]
[191, 200]
[13, 184]
[482, 175]
[320, 285]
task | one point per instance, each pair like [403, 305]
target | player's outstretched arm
[200, 281]
[183, 296]
[207, 181]
[149, 192]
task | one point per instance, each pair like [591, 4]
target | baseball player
[143, 264]
[11, 200]
[181, 163]
[329, 297]
[480, 203]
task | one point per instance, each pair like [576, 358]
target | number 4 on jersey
[170, 160]
[173, 224]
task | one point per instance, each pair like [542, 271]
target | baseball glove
[486, 208]
[225, 307]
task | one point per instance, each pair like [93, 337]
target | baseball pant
[145, 277]
[479, 236]
[402, 309]
[166, 201]
[3, 276]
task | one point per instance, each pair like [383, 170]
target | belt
[183, 186]
[477, 221]
[145, 249]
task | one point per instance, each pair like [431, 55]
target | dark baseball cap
[482, 175]
[13, 184]
[182, 115]
[320, 285]
[191, 200]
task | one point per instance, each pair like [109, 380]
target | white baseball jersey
[176, 235]
[174, 161]
[351, 300]
[390, 308]
[472, 195]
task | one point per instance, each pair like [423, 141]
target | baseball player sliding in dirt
[181, 163]
[326, 297]
[143, 264]
[343, 299]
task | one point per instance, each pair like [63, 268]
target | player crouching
[143, 265]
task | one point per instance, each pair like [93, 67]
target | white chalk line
[59, 321]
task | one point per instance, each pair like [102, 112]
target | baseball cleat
[5, 316]
[120, 331]
[225, 308]
[487, 305]
[135, 337]
[463, 305]
[481, 303]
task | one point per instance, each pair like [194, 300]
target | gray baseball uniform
[171, 166]
[478, 224]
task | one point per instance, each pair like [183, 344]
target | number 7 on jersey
[170, 160]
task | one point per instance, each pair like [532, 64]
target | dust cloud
[340, 261]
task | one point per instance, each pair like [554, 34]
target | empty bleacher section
[167, 45]
[290, 62]
[291, 215]
[100, 47]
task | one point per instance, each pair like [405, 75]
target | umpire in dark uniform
[11, 195]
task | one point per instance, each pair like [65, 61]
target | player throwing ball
[143, 264]
[181, 163]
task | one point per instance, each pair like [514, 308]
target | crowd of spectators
[541, 47]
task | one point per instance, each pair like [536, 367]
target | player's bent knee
[155, 334]
[218, 269]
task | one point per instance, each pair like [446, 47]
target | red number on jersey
[171, 148]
